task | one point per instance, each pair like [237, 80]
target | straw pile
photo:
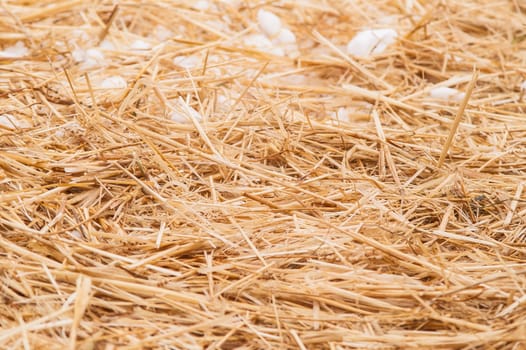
[171, 178]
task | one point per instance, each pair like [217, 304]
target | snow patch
[71, 126]
[188, 62]
[371, 42]
[454, 58]
[76, 234]
[343, 114]
[80, 34]
[223, 100]
[11, 122]
[89, 58]
[286, 36]
[140, 45]
[201, 5]
[15, 51]
[183, 113]
[262, 43]
[446, 93]
[114, 82]
[162, 33]
[257, 40]
[273, 38]
[72, 169]
[107, 45]
[269, 23]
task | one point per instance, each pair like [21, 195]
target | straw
[172, 176]
[457, 119]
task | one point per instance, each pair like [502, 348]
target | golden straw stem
[458, 117]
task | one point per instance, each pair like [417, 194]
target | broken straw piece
[15, 51]
[523, 85]
[446, 93]
[269, 23]
[371, 42]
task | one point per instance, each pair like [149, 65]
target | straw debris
[186, 175]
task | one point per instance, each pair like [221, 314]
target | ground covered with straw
[171, 180]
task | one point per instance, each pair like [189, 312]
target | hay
[171, 178]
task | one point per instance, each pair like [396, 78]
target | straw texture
[166, 182]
